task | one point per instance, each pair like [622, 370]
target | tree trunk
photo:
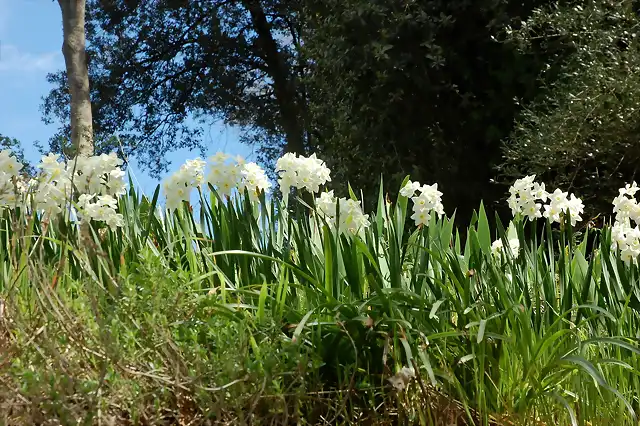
[75, 58]
[283, 83]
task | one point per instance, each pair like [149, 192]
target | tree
[73, 49]
[581, 132]
[416, 87]
[156, 66]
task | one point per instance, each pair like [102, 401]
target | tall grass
[228, 309]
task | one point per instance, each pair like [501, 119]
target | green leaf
[434, 308]
[301, 324]
[587, 367]
[260, 315]
[481, 328]
[483, 231]
[565, 404]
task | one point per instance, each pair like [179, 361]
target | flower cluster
[254, 180]
[513, 243]
[178, 186]
[428, 200]
[51, 192]
[226, 174]
[560, 204]
[96, 182]
[624, 235]
[102, 209]
[302, 173]
[625, 206]
[60, 183]
[497, 248]
[86, 177]
[347, 212]
[9, 172]
[626, 238]
[524, 195]
[527, 195]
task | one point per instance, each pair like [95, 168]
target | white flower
[409, 189]
[618, 234]
[559, 198]
[9, 167]
[629, 255]
[102, 209]
[514, 204]
[254, 180]
[50, 198]
[85, 199]
[523, 196]
[10, 190]
[626, 238]
[514, 247]
[575, 209]
[352, 220]
[629, 189]
[560, 206]
[51, 167]
[176, 191]
[421, 217]
[552, 212]
[496, 247]
[428, 200]
[228, 174]
[218, 158]
[178, 186]
[625, 206]
[326, 203]
[9, 164]
[347, 212]
[538, 191]
[308, 173]
[532, 210]
[92, 181]
[225, 173]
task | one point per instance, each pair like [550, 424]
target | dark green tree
[161, 69]
[426, 88]
[581, 133]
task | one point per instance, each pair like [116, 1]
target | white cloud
[12, 59]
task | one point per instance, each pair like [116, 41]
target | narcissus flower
[428, 200]
[347, 212]
[305, 173]
[526, 197]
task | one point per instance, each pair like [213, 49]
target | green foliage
[138, 357]
[428, 89]
[222, 312]
[162, 73]
[424, 88]
[580, 132]
[460, 93]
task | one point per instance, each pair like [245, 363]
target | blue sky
[30, 47]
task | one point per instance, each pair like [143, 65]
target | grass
[240, 313]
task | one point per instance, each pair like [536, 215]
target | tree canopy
[581, 133]
[467, 94]
[157, 66]
[425, 88]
